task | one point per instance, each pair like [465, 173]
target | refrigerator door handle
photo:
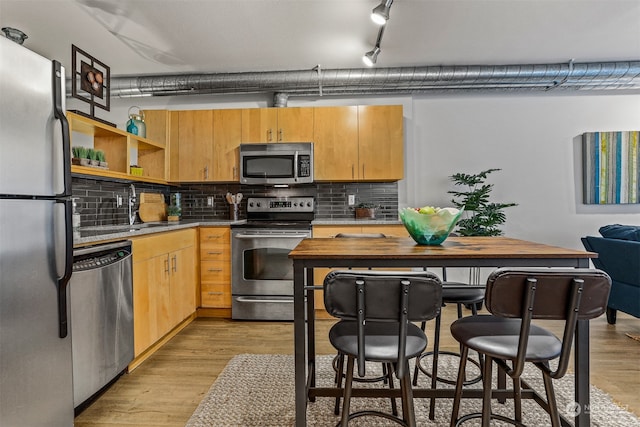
[58, 82]
[63, 318]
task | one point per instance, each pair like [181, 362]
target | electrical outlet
[209, 200]
[352, 199]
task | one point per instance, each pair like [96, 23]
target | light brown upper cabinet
[380, 150]
[195, 145]
[363, 143]
[335, 144]
[227, 130]
[290, 124]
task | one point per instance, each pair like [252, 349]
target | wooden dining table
[403, 252]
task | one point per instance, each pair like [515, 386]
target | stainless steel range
[262, 273]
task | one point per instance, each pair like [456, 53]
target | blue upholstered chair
[619, 255]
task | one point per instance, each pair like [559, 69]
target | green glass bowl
[429, 229]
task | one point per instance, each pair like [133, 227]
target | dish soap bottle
[75, 215]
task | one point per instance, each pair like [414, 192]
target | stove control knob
[308, 204]
[295, 205]
[258, 204]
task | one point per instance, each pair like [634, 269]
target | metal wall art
[611, 167]
[90, 80]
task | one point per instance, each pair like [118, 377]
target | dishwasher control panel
[99, 257]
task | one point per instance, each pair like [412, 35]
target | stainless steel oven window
[267, 264]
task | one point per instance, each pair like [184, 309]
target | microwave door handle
[295, 166]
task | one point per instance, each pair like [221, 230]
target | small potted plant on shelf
[366, 210]
[93, 159]
[102, 159]
[79, 156]
[173, 213]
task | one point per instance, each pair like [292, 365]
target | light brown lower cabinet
[164, 284]
[215, 267]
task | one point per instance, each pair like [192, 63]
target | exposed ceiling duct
[619, 75]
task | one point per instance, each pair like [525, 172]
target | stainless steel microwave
[276, 163]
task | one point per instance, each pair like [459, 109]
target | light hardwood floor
[165, 389]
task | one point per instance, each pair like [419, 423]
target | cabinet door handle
[174, 263]
[353, 174]
[280, 134]
[166, 265]
[270, 135]
[363, 172]
[206, 172]
[235, 173]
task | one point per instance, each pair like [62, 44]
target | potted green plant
[78, 153]
[102, 159]
[483, 217]
[366, 210]
[79, 156]
[92, 156]
[173, 213]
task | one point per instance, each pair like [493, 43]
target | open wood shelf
[119, 148]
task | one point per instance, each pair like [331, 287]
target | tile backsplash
[97, 199]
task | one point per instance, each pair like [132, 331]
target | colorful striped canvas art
[611, 167]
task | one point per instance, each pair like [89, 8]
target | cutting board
[151, 198]
[152, 207]
[152, 212]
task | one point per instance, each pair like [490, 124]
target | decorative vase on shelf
[136, 125]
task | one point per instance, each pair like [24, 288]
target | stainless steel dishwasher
[101, 300]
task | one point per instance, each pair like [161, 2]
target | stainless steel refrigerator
[36, 243]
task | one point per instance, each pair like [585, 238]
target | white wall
[535, 140]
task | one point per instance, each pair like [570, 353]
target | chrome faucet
[132, 203]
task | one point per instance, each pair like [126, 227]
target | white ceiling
[210, 36]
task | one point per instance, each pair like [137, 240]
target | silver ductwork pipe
[620, 75]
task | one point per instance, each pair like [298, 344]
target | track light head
[380, 13]
[371, 57]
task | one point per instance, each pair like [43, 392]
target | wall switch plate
[352, 199]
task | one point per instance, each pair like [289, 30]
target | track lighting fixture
[371, 57]
[380, 13]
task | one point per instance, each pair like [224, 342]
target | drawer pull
[217, 236]
[215, 293]
[214, 253]
[214, 269]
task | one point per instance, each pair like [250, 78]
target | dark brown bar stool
[507, 337]
[338, 361]
[452, 293]
[376, 309]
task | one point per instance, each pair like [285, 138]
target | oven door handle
[271, 236]
[264, 300]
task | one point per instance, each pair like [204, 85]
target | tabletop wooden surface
[453, 248]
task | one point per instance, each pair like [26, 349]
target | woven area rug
[257, 390]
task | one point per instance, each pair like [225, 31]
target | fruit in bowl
[430, 225]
